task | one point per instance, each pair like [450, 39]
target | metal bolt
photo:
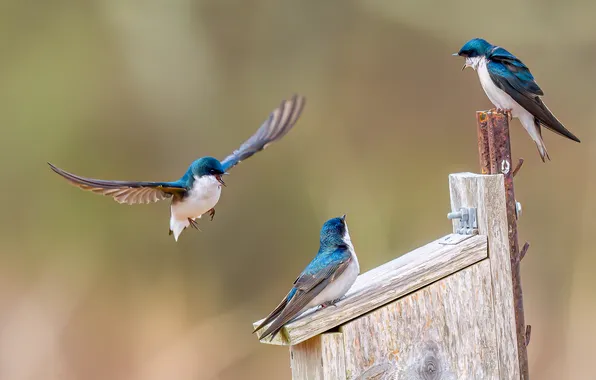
[462, 214]
[518, 209]
[468, 224]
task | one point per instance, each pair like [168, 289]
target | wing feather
[279, 122]
[123, 191]
[513, 77]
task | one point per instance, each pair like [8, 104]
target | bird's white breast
[497, 96]
[203, 196]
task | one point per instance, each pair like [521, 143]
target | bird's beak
[465, 64]
[343, 218]
[219, 179]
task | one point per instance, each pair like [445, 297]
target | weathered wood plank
[320, 358]
[386, 283]
[444, 331]
[487, 193]
[334, 357]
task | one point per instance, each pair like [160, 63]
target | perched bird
[198, 191]
[323, 282]
[511, 87]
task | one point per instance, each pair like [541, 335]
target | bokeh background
[123, 89]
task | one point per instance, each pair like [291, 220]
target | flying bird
[510, 86]
[323, 282]
[198, 190]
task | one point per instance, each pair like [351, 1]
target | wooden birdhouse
[442, 311]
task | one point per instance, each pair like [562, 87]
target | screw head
[518, 209]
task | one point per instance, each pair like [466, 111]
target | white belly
[340, 286]
[497, 96]
[203, 196]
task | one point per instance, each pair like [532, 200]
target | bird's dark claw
[330, 303]
[506, 112]
[194, 224]
[211, 213]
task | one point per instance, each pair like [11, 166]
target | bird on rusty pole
[510, 86]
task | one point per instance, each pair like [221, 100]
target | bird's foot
[194, 224]
[330, 303]
[506, 112]
[211, 213]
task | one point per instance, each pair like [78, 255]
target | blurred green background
[123, 89]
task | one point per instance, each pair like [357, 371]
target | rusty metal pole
[483, 150]
[495, 158]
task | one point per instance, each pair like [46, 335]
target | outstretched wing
[280, 121]
[512, 76]
[322, 271]
[122, 191]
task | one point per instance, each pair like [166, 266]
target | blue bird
[510, 86]
[198, 190]
[323, 282]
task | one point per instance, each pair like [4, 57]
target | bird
[511, 87]
[198, 190]
[324, 281]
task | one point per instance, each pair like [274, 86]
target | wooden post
[487, 193]
[494, 143]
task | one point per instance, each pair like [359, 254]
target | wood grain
[319, 358]
[487, 193]
[444, 331]
[386, 283]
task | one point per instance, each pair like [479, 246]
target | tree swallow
[323, 282]
[198, 190]
[511, 87]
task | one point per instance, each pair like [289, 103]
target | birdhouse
[442, 311]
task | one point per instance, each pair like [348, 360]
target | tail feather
[539, 142]
[274, 314]
[549, 121]
[533, 127]
[177, 226]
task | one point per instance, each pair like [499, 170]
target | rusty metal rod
[483, 151]
[523, 251]
[497, 148]
[520, 162]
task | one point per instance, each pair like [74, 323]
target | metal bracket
[468, 222]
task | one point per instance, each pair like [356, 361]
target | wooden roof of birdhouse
[386, 283]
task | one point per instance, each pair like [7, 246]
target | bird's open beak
[465, 64]
[219, 179]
